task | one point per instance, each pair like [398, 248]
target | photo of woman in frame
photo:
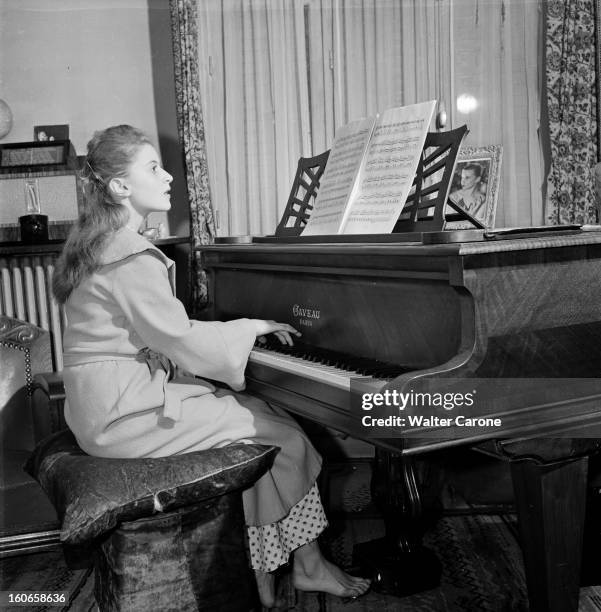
[469, 187]
[475, 184]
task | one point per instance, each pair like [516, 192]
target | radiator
[25, 294]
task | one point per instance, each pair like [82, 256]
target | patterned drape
[571, 97]
[184, 35]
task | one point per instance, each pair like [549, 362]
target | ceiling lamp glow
[466, 104]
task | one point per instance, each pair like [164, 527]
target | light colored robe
[118, 405]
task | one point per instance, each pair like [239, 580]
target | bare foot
[266, 588]
[326, 577]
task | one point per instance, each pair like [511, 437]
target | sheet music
[388, 169]
[349, 147]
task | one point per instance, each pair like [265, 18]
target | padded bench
[165, 534]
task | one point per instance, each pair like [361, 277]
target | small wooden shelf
[55, 246]
[24, 248]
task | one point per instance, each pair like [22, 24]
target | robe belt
[172, 407]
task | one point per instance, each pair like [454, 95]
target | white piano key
[312, 371]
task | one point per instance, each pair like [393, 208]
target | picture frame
[48, 133]
[475, 184]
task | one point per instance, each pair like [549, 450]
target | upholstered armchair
[28, 522]
[163, 534]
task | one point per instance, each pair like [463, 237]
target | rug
[480, 556]
[47, 572]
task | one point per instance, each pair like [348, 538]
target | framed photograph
[475, 184]
[48, 133]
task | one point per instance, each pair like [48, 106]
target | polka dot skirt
[271, 545]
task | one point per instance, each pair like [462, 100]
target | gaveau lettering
[306, 313]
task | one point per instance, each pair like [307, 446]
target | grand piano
[524, 307]
[514, 316]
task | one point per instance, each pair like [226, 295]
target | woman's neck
[135, 221]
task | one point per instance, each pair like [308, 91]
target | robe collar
[125, 243]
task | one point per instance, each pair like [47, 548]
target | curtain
[497, 56]
[369, 55]
[184, 31]
[279, 76]
[389, 53]
[254, 97]
[571, 95]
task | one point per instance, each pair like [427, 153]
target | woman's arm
[215, 350]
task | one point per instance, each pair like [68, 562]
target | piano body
[522, 307]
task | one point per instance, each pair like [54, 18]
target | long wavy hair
[110, 153]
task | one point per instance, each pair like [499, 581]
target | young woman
[124, 331]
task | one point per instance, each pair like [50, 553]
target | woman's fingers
[274, 327]
[284, 337]
[285, 327]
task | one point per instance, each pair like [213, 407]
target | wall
[91, 64]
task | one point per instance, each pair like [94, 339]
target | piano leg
[551, 501]
[398, 563]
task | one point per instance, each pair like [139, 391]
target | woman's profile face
[149, 184]
[468, 179]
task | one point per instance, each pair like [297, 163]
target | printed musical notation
[370, 172]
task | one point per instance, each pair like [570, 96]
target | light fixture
[6, 119]
[466, 103]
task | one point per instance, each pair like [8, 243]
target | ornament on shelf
[441, 116]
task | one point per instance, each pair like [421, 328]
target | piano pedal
[396, 572]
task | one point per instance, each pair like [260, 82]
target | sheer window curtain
[369, 55]
[389, 53]
[497, 59]
[278, 76]
[254, 96]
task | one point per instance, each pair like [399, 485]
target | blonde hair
[109, 155]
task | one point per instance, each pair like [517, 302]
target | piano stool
[164, 534]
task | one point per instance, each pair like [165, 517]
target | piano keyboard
[328, 367]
